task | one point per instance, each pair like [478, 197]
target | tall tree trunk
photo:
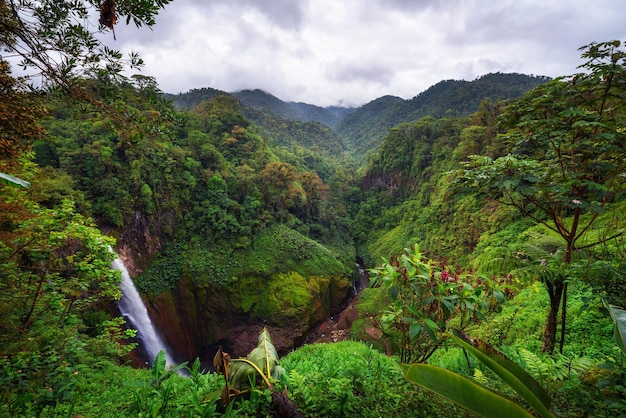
[567, 259]
[555, 292]
[563, 317]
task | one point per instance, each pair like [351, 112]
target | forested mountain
[267, 104]
[193, 97]
[359, 125]
[296, 111]
[365, 129]
[298, 128]
[317, 147]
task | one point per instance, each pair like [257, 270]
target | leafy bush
[426, 296]
[353, 379]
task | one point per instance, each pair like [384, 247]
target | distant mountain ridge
[266, 103]
[303, 112]
[364, 128]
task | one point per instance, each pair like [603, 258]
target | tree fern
[558, 367]
[540, 257]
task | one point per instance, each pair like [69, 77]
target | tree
[315, 191]
[19, 115]
[567, 157]
[56, 40]
[280, 187]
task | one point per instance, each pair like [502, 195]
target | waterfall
[363, 281]
[132, 307]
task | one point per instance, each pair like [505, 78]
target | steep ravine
[194, 319]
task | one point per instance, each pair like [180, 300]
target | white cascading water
[132, 307]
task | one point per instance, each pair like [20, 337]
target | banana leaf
[618, 316]
[463, 391]
[262, 362]
[519, 380]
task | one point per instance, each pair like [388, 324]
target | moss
[392, 242]
[282, 298]
[246, 292]
[280, 249]
[290, 294]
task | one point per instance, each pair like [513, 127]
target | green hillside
[365, 129]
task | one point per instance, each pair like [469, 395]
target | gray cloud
[329, 51]
[360, 72]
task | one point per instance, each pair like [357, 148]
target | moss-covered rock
[285, 281]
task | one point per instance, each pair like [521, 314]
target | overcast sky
[329, 52]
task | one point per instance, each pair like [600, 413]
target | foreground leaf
[518, 378]
[618, 316]
[463, 391]
[262, 360]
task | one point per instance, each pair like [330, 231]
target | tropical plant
[426, 297]
[351, 378]
[476, 397]
[155, 400]
[260, 368]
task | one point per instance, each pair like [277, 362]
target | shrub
[426, 297]
[353, 379]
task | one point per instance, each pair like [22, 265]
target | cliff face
[142, 239]
[195, 319]
[284, 281]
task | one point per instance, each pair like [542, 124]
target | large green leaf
[13, 181]
[263, 360]
[619, 319]
[160, 370]
[521, 382]
[463, 391]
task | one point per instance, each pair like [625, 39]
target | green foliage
[156, 398]
[464, 392]
[32, 381]
[60, 42]
[584, 380]
[20, 112]
[163, 272]
[406, 190]
[426, 296]
[122, 391]
[523, 384]
[55, 270]
[565, 144]
[619, 320]
[350, 378]
[279, 249]
[559, 367]
[366, 127]
[57, 264]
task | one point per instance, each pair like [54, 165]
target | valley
[349, 246]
